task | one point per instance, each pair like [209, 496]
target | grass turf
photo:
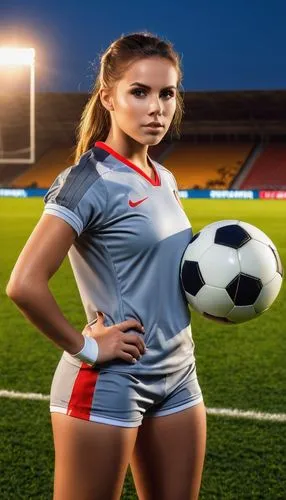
[240, 366]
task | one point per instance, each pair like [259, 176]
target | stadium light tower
[12, 56]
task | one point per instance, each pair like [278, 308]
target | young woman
[125, 390]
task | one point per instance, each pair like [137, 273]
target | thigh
[168, 457]
[91, 458]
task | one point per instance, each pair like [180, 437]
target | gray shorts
[120, 399]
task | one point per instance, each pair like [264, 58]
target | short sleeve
[78, 196]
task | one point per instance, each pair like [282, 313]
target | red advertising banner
[272, 195]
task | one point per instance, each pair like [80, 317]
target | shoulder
[78, 195]
[71, 185]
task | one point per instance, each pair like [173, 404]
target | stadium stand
[219, 134]
[43, 173]
[269, 169]
[206, 166]
[10, 172]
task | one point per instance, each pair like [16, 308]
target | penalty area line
[220, 412]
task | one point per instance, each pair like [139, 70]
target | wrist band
[89, 352]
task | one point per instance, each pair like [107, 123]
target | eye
[138, 92]
[168, 94]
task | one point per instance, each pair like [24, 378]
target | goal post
[19, 57]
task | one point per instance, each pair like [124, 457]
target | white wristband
[89, 352]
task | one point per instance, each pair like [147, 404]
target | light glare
[10, 56]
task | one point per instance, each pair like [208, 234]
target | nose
[155, 107]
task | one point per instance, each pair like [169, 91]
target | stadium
[229, 140]
[229, 163]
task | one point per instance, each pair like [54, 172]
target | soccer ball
[231, 271]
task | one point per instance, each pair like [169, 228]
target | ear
[106, 99]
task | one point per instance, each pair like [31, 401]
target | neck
[130, 149]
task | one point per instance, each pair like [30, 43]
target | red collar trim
[155, 182]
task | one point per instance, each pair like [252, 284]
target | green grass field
[242, 366]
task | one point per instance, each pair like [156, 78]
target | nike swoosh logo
[136, 203]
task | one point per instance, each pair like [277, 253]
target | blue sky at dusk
[224, 45]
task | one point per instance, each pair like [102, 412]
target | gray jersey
[131, 235]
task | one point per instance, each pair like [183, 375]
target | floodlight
[16, 56]
[11, 56]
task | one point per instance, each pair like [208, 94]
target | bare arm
[28, 286]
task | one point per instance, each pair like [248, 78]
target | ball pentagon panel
[232, 236]
[244, 290]
[191, 277]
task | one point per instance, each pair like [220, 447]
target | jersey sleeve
[78, 196]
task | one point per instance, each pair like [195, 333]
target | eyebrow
[138, 84]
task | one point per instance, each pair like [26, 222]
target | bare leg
[169, 455]
[91, 459]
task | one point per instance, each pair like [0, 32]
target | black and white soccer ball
[231, 271]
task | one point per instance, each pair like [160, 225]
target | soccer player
[125, 390]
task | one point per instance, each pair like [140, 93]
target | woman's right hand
[113, 342]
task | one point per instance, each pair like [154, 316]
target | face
[145, 94]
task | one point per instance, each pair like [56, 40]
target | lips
[154, 125]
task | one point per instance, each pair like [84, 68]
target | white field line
[223, 412]
[23, 395]
[252, 415]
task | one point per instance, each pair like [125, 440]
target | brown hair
[95, 120]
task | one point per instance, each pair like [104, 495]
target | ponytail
[94, 124]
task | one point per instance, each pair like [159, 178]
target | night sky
[224, 45]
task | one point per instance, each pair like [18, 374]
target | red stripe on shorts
[82, 393]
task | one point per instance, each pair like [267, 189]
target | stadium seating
[9, 172]
[199, 166]
[206, 166]
[269, 170]
[43, 173]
